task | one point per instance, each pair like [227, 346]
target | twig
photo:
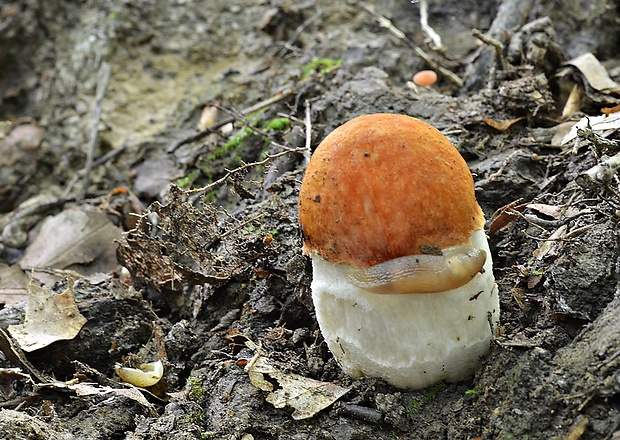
[242, 224]
[497, 45]
[242, 168]
[102, 84]
[426, 28]
[384, 22]
[240, 119]
[599, 175]
[308, 148]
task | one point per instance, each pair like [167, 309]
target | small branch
[242, 168]
[599, 141]
[102, 84]
[427, 29]
[601, 174]
[239, 118]
[496, 44]
[308, 123]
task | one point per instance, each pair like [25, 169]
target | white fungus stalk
[412, 341]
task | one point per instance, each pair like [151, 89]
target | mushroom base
[409, 340]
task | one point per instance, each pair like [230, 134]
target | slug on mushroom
[403, 282]
[424, 273]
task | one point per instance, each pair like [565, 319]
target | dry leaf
[505, 215]
[610, 110]
[13, 285]
[554, 211]
[306, 396]
[74, 237]
[599, 125]
[208, 117]
[153, 176]
[85, 389]
[578, 430]
[595, 73]
[502, 125]
[552, 246]
[49, 318]
[574, 101]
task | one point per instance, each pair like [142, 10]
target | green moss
[186, 181]
[414, 406]
[320, 65]
[277, 124]
[194, 389]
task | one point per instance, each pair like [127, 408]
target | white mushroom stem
[410, 340]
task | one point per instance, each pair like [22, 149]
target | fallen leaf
[306, 396]
[13, 285]
[49, 318]
[551, 247]
[74, 238]
[610, 110]
[599, 124]
[85, 389]
[574, 101]
[554, 211]
[578, 430]
[595, 73]
[502, 125]
[505, 215]
[153, 176]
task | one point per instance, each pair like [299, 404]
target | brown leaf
[306, 396]
[13, 284]
[504, 216]
[610, 110]
[554, 211]
[502, 125]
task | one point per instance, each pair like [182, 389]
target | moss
[277, 124]
[320, 65]
[194, 388]
[186, 181]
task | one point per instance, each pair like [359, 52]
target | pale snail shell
[148, 374]
[424, 273]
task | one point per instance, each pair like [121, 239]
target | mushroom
[403, 284]
[425, 78]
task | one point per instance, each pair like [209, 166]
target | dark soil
[207, 279]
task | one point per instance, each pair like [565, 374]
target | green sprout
[472, 392]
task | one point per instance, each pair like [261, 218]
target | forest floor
[105, 104]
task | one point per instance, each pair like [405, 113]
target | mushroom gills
[424, 273]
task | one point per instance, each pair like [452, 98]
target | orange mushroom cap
[384, 186]
[425, 78]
